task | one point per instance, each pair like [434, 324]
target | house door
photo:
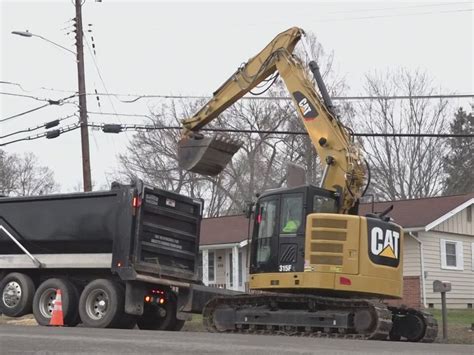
[230, 273]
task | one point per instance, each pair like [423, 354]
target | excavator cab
[278, 240]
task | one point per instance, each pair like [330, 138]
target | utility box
[441, 286]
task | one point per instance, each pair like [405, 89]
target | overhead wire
[395, 15]
[45, 125]
[118, 128]
[99, 73]
[356, 134]
[50, 102]
[137, 97]
[401, 7]
[48, 134]
[335, 98]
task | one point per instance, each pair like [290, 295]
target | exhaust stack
[206, 155]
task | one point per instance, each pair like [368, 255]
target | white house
[439, 245]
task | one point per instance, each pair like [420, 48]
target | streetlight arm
[23, 33]
[29, 34]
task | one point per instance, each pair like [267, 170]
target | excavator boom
[344, 171]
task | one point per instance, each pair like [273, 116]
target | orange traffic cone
[57, 318]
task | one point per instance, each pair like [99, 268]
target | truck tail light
[137, 202]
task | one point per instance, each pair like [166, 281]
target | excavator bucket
[206, 155]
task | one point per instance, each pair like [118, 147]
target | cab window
[266, 220]
[291, 214]
[323, 204]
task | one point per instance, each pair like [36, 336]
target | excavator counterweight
[206, 155]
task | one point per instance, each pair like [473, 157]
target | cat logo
[384, 243]
[306, 108]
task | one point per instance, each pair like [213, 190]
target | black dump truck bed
[135, 230]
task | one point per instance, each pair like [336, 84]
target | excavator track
[312, 316]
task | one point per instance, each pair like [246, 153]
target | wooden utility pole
[86, 164]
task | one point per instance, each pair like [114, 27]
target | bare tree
[33, 179]
[23, 176]
[259, 165]
[7, 173]
[152, 155]
[403, 168]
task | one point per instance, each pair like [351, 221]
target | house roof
[223, 230]
[419, 213]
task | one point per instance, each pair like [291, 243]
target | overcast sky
[190, 48]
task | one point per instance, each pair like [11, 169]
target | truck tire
[17, 291]
[101, 304]
[160, 317]
[43, 302]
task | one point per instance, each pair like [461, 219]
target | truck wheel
[43, 302]
[101, 304]
[160, 317]
[17, 292]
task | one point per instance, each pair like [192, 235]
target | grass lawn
[194, 325]
[459, 324]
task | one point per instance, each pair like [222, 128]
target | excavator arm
[344, 171]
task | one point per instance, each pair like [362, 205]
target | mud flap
[206, 155]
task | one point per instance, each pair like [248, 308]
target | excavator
[317, 268]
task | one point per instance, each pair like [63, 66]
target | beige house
[439, 245]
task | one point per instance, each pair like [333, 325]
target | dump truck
[121, 258]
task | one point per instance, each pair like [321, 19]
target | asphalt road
[24, 340]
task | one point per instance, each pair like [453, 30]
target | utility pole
[86, 163]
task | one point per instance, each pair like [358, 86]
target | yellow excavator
[320, 268]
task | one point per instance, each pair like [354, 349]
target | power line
[51, 134]
[24, 113]
[99, 74]
[395, 15]
[136, 97]
[286, 98]
[23, 95]
[117, 128]
[401, 7]
[50, 102]
[119, 114]
[46, 125]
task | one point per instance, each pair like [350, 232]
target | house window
[451, 255]
[472, 256]
[211, 266]
[469, 213]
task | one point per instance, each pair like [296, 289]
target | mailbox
[441, 286]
